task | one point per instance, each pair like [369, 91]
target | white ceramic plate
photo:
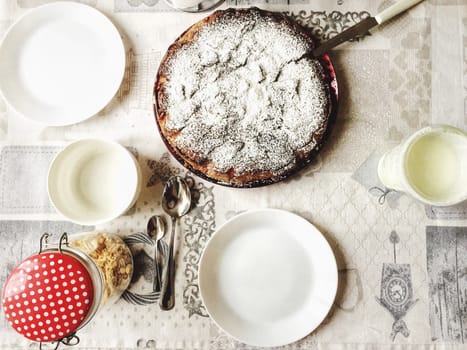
[61, 63]
[268, 277]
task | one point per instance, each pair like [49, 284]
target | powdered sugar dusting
[246, 95]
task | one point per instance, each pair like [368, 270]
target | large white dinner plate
[61, 63]
[268, 277]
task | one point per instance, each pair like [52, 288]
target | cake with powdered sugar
[240, 100]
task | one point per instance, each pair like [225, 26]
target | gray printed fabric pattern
[456, 212]
[34, 3]
[397, 294]
[367, 176]
[141, 6]
[23, 179]
[161, 6]
[135, 92]
[464, 22]
[447, 273]
[409, 78]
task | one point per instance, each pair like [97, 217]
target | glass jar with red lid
[49, 296]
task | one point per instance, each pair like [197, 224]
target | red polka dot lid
[48, 296]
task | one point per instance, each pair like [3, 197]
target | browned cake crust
[258, 166]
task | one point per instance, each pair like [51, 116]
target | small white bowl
[93, 181]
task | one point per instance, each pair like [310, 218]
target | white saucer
[61, 63]
[268, 277]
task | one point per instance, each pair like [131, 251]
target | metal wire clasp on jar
[49, 296]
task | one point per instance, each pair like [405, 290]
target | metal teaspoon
[156, 230]
[176, 201]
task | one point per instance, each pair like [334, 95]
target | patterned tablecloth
[402, 265]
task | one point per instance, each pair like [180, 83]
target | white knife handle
[395, 9]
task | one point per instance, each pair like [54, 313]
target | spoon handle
[167, 299]
[156, 285]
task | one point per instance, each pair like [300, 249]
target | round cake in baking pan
[241, 101]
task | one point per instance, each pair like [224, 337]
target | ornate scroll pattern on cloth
[324, 25]
[199, 226]
[161, 170]
[161, 6]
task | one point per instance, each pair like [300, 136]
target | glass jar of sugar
[49, 296]
[112, 256]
